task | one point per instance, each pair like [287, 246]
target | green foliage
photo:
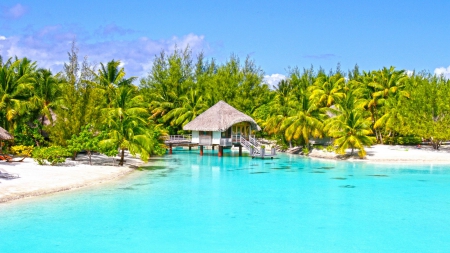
[320, 147]
[85, 140]
[21, 150]
[305, 151]
[52, 155]
[411, 140]
[350, 130]
[330, 148]
[29, 136]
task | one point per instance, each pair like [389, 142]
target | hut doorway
[205, 138]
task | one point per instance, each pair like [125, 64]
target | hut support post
[220, 151]
[240, 150]
[212, 147]
[201, 150]
[190, 147]
[170, 149]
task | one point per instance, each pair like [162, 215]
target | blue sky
[411, 35]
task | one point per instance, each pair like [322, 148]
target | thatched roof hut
[219, 117]
[4, 135]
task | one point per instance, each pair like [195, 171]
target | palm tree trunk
[352, 151]
[122, 157]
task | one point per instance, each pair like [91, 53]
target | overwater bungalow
[224, 126]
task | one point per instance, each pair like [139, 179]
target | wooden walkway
[252, 145]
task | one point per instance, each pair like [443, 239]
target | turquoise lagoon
[188, 203]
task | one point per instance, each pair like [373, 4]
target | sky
[277, 35]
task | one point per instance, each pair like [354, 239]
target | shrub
[305, 151]
[22, 150]
[330, 148]
[52, 155]
[410, 140]
[319, 147]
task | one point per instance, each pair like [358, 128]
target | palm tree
[326, 90]
[127, 126]
[350, 130]
[16, 78]
[306, 122]
[111, 77]
[47, 92]
[192, 107]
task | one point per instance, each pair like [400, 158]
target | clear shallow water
[189, 203]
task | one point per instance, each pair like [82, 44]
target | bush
[410, 140]
[330, 148]
[305, 151]
[22, 150]
[319, 147]
[52, 155]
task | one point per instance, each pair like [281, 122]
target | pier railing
[184, 137]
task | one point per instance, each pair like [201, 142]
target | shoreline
[390, 154]
[38, 180]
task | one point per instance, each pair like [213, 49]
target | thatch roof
[4, 135]
[219, 117]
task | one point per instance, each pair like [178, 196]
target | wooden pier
[250, 143]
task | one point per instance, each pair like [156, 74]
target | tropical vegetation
[98, 108]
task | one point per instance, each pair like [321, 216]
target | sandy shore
[38, 180]
[393, 154]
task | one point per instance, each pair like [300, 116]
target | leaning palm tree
[16, 78]
[306, 122]
[193, 105]
[350, 130]
[126, 124]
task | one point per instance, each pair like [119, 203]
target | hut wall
[195, 138]
[216, 137]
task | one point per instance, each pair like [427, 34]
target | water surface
[188, 203]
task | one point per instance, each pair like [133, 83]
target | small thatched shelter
[4, 135]
[220, 125]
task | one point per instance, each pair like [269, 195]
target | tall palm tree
[47, 92]
[192, 107]
[127, 126]
[305, 123]
[350, 130]
[16, 79]
[111, 77]
[327, 89]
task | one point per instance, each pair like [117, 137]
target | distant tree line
[117, 113]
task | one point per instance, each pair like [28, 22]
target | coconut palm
[350, 130]
[127, 126]
[192, 107]
[16, 78]
[112, 76]
[327, 89]
[305, 123]
[47, 92]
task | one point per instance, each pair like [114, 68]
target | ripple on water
[347, 186]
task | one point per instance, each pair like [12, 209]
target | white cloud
[409, 72]
[443, 71]
[2, 37]
[14, 12]
[273, 79]
[49, 47]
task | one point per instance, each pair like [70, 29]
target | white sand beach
[38, 180]
[394, 154]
